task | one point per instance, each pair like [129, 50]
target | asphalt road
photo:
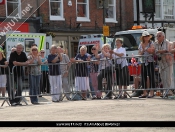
[134, 109]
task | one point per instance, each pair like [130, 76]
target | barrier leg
[165, 94]
[115, 95]
[24, 100]
[5, 100]
[128, 94]
[120, 94]
[63, 97]
[77, 93]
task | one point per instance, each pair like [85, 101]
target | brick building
[69, 19]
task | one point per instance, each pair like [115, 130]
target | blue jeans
[34, 82]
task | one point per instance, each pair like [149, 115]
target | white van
[91, 40]
[131, 39]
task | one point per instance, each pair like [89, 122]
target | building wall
[2, 11]
[66, 32]
[158, 23]
[96, 15]
[124, 14]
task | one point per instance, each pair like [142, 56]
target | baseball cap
[145, 33]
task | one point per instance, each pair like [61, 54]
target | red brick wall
[129, 13]
[2, 11]
[24, 4]
[95, 14]
[125, 16]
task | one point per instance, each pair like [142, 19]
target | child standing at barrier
[55, 73]
[81, 72]
[3, 73]
[34, 74]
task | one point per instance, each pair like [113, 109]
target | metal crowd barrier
[25, 80]
[155, 83]
[4, 83]
[80, 79]
[152, 71]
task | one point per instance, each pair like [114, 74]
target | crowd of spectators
[49, 74]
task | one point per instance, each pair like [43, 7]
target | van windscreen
[130, 41]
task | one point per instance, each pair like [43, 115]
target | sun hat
[145, 33]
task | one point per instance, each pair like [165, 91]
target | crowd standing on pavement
[49, 74]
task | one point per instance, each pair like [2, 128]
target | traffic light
[148, 6]
[100, 3]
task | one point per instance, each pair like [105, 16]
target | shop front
[68, 41]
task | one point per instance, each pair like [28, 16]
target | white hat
[145, 33]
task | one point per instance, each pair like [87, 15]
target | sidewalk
[134, 109]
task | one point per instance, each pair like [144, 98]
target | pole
[104, 19]
[152, 20]
[138, 12]
[146, 23]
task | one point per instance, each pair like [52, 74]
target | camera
[159, 58]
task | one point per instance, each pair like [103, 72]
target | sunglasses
[34, 49]
[158, 36]
[93, 49]
[42, 52]
[146, 36]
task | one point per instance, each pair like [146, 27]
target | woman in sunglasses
[146, 49]
[34, 74]
[94, 72]
[44, 84]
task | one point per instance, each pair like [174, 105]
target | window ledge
[57, 18]
[83, 19]
[13, 17]
[159, 19]
[110, 20]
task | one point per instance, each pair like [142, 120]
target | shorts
[3, 81]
